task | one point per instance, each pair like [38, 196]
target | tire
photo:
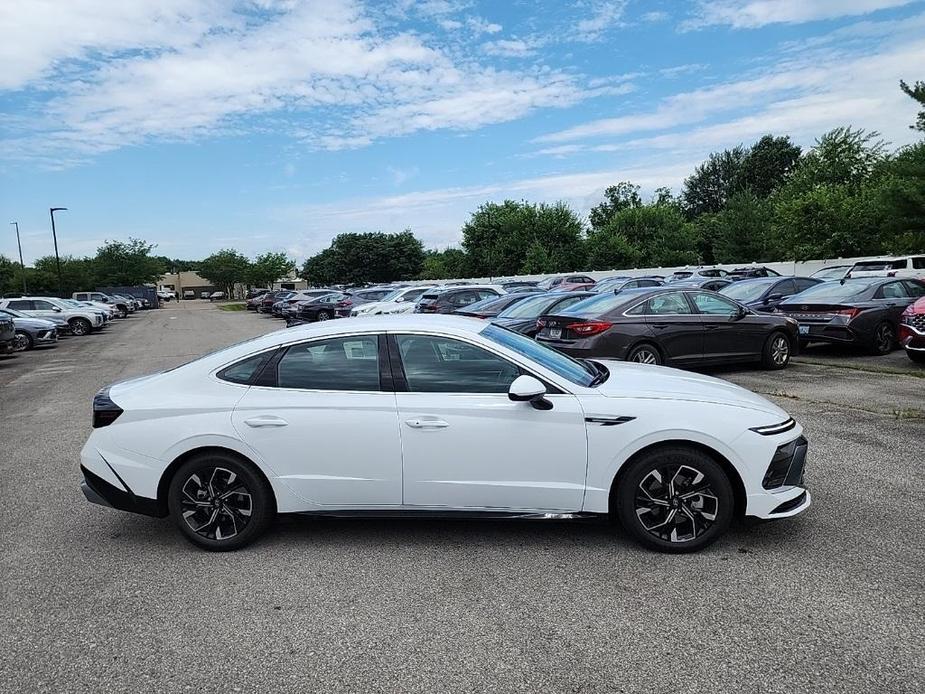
[649, 512]
[80, 326]
[122, 312]
[776, 352]
[884, 338]
[22, 342]
[646, 353]
[917, 357]
[323, 315]
[219, 502]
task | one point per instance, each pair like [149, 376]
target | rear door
[677, 329]
[325, 424]
[467, 446]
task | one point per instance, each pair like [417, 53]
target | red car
[912, 331]
[567, 283]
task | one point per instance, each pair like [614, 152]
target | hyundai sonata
[431, 416]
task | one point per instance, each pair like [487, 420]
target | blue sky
[276, 124]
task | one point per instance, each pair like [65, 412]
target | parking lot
[94, 599]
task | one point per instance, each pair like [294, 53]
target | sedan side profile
[670, 325]
[765, 294]
[462, 417]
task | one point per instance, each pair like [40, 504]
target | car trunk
[817, 312]
[562, 328]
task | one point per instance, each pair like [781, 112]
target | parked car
[694, 274]
[322, 308]
[910, 266]
[765, 294]
[30, 332]
[831, 272]
[216, 296]
[742, 273]
[359, 297]
[491, 307]
[617, 284]
[255, 292]
[204, 295]
[511, 285]
[864, 312]
[289, 308]
[667, 325]
[712, 284]
[253, 303]
[166, 295]
[522, 316]
[121, 306]
[912, 331]
[567, 283]
[449, 299]
[81, 319]
[266, 303]
[399, 300]
[7, 335]
[579, 438]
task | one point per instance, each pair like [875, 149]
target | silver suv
[81, 320]
[123, 307]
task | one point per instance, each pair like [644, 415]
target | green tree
[917, 92]
[713, 182]
[77, 274]
[225, 269]
[498, 237]
[126, 263]
[443, 265]
[371, 257]
[742, 231]
[267, 268]
[900, 195]
[767, 166]
[654, 235]
[616, 198]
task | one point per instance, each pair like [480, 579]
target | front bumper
[46, 337]
[783, 492]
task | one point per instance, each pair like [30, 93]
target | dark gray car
[30, 332]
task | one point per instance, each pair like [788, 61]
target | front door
[324, 426]
[727, 335]
[468, 446]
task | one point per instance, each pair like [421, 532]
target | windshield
[833, 291]
[560, 364]
[831, 272]
[745, 291]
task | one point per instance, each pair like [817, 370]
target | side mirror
[528, 389]
[741, 314]
[399, 300]
[56, 309]
[773, 297]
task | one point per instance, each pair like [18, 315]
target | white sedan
[438, 415]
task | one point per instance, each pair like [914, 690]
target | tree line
[848, 195]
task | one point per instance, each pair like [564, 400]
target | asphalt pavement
[95, 600]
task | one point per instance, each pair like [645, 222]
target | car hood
[656, 382]
[34, 323]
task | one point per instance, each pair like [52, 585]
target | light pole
[21, 264]
[54, 235]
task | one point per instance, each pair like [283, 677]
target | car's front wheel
[22, 342]
[219, 502]
[80, 326]
[776, 352]
[674, 499]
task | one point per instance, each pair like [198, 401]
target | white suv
[80, 320]
[906, 266]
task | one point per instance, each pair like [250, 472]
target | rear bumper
[99, 491]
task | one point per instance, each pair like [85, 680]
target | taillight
[847, 312]
[590, 328]
[105, 411]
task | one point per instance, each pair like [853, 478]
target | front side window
[343, 363]
[43, 305]
[445, 365]
[713, 305]
[893, 290]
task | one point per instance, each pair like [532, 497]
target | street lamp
[21, 264]
[54, 235]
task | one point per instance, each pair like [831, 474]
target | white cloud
[510, 48]
[749, 14]
[656, 16]
[604, 15]
[479, 25]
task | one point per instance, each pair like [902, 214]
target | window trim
[400, 380]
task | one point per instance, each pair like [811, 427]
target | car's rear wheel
[80, 326]
[884, 338]
[323, 315]
[776, 352]
[675, 500]
[220, 502]
[645, 354]
[22, 341]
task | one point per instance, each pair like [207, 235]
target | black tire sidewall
[624, 497]
[29, 342]
[85, 326]
[875, 343]
[659, 361]
[767, 360]
[264, 505]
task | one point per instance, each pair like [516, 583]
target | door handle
[427, 423]
[266, 421]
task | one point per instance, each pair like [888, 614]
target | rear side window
[245, 370]
[20, 305]
[918, 263]
[344, 363]
[668, 305]
[893, 290]
[915, 288]
[785, 288]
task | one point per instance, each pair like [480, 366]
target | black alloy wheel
[675, 500]
[220, 503]
[645, 354]
[884, 338]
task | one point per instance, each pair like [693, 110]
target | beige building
[182, 282]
